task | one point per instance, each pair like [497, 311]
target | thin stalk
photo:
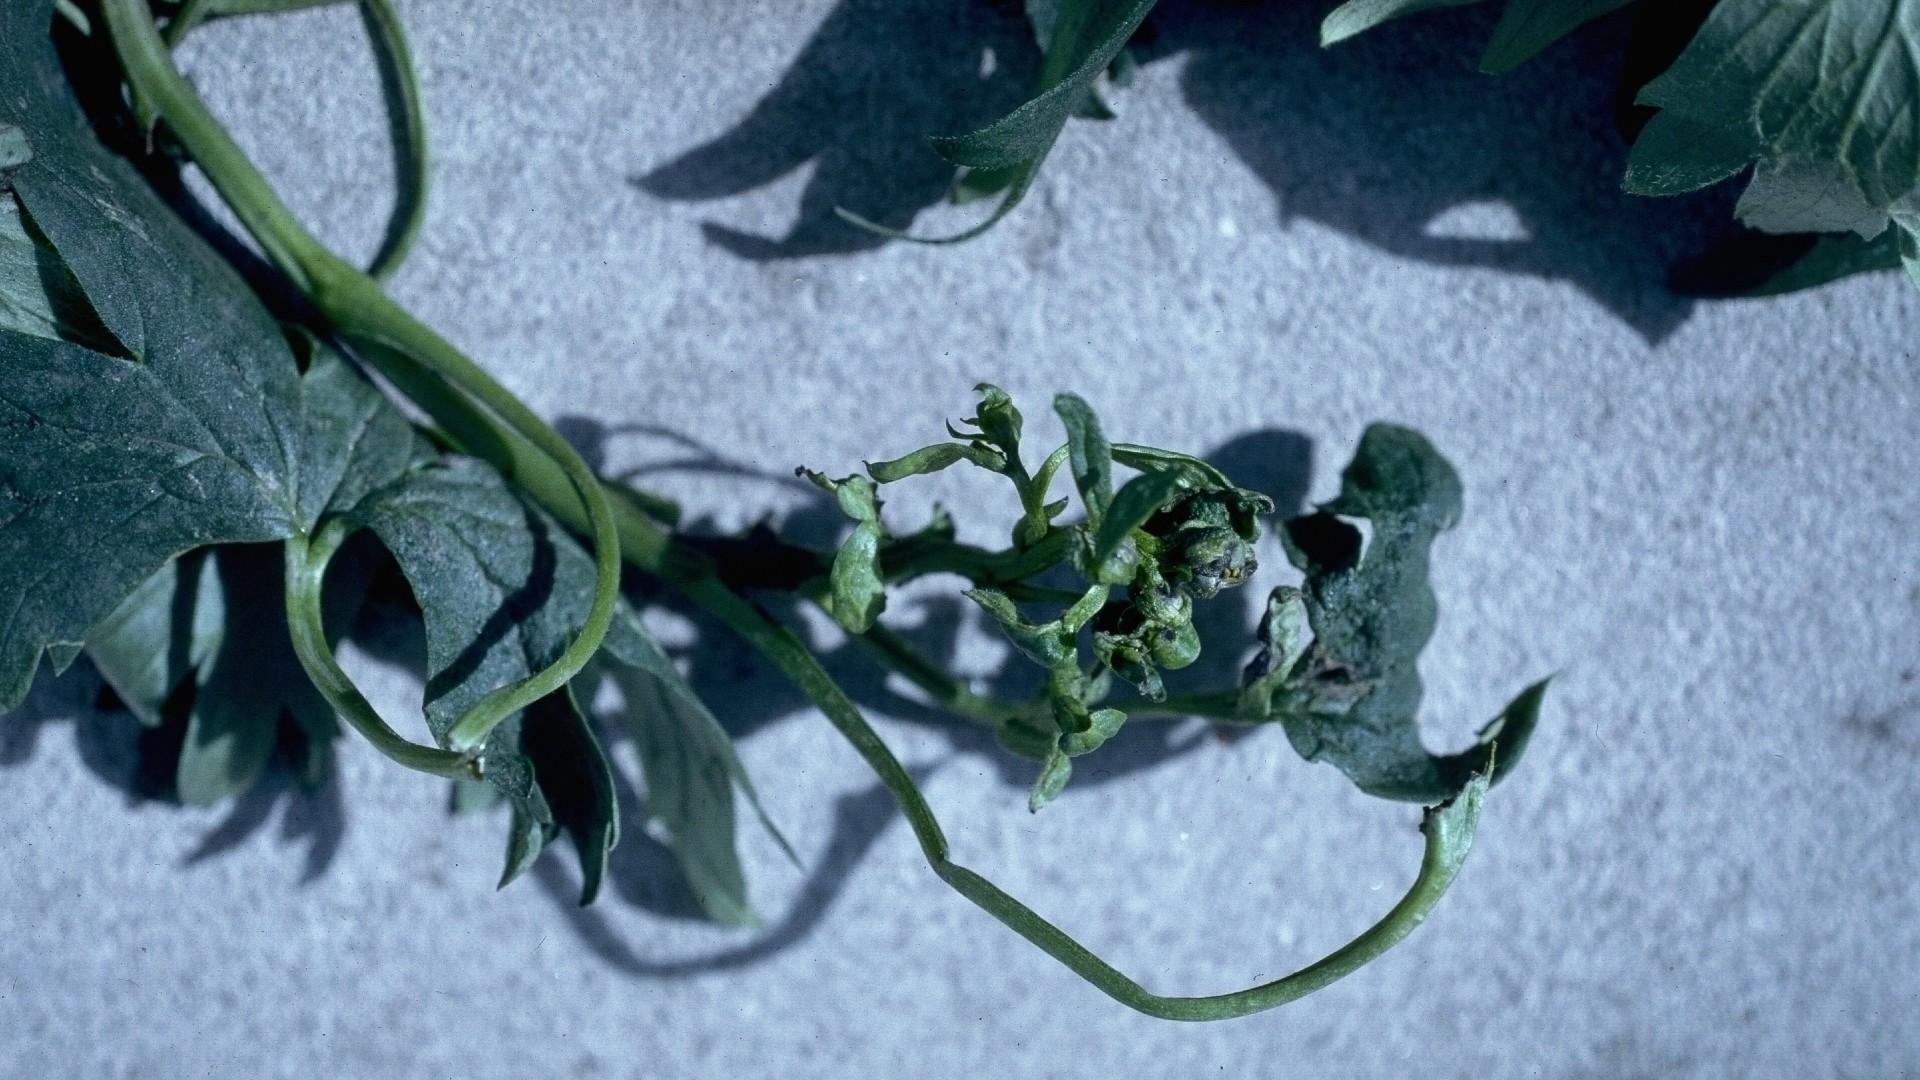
[306, 574]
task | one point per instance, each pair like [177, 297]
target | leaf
[1194, 473]
[931, 459]
[1088, 35]
[1354, 700]
[1358, 16]
[691, 772]
[186, 435]
[859, 593]
[577, 780]
[1135, 502]
[502, 590]
[1052, 780]
[1528, 26]
[1807, 197]
[1088, 453]
[38, 294]
[1823, 88]
[153, 642]
[1285, 632]
[15, 150]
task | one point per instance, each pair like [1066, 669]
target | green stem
[356, 305]
[1448, 836]
[410, 204]
[191, 14]
[306, 576]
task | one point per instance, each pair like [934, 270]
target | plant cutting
[196, 477]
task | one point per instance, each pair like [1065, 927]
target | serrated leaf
[1357, 694]
[691, 772]
[1829, 87]
[117, 465]
[1088, 453]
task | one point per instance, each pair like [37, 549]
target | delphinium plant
[197, 478]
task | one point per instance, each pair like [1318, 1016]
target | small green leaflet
[691, 771]
[1087, 36]
[1353, 699]
[1823, 94]
[1526, 26]
[859, 594]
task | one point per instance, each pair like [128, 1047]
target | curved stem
[356, 305]
[306, 574]
[1449, 835]
[410, 203]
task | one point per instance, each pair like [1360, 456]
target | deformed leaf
[859, 593]
[1136, 502]
[1054, 773]
[1354, 699]
[1285, 632]
[1358, 16]
[930, 459]
[577, 780]
[1088, 453]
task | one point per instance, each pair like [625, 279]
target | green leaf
[15, 150]
[1088, 453]
[1285, 632]
[1052, 780]
[859, 593]
[1358, 16]
[1194, 473]
[1528, 26]
[502, 590]
[1087, 36]
[1354, 700]
[931, 459]
[187, 433]
[1825, 89]
[1046, 644]
[577, 780]
[158, 636]
[691, 772]
[38, 294]
[1136, 501]
[1525, 28]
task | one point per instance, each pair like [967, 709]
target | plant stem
[355, 304]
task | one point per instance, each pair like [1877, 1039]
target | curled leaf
[931, 459]
[1088, 453]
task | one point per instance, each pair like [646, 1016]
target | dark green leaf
[691, 772]
[1525, 28]
[502, 590]
[577, 780]
[1136, 501]
[1528, 26]
[38, 294]
[1354, 700]
[1825, 89]
[1089, 454]
[1194, 473]
[1358, 16]
[159, 635]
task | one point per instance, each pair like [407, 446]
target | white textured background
[1703, 515]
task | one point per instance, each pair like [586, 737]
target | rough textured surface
[1703, 515]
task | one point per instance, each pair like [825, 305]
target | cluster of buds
[1176, 533]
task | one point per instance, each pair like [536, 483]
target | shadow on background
[1379, 137]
